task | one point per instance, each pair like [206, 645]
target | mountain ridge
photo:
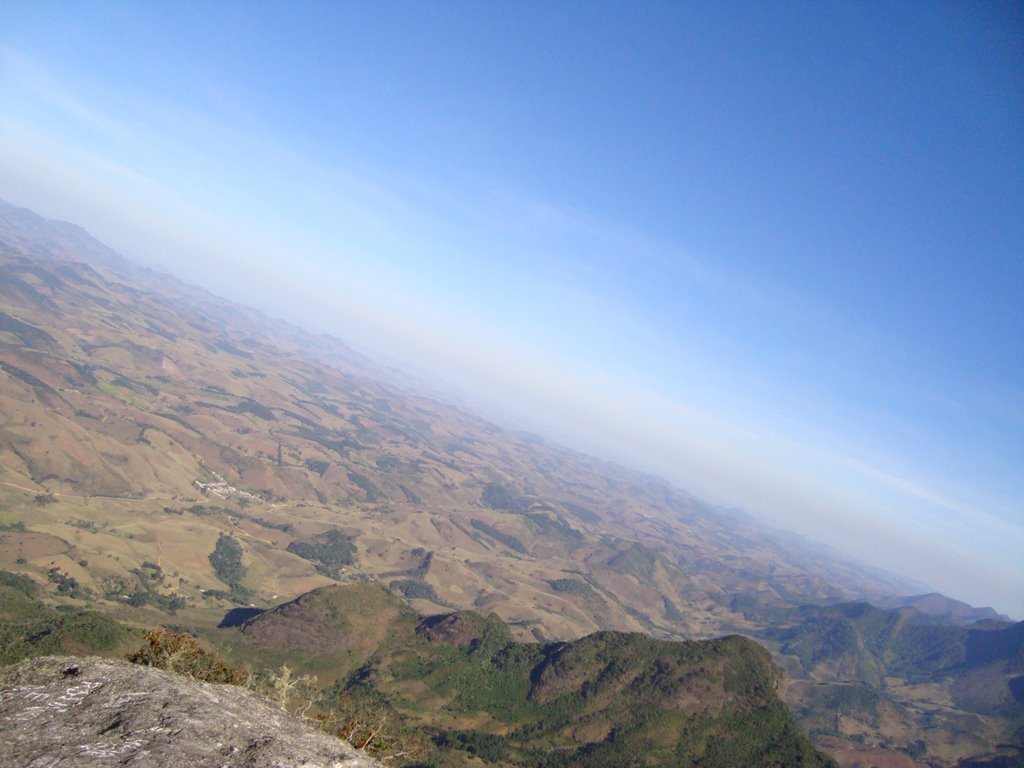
[609, 698]
[943, 608]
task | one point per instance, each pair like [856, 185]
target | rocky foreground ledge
[83, 712]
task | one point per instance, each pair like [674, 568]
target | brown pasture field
[29, 545]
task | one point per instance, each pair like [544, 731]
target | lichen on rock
[85, 712]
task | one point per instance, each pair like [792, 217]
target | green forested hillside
[28, 628]
[456, 689]
[608, 699]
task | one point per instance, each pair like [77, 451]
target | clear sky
[772, 251]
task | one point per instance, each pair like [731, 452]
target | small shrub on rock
[181, 653]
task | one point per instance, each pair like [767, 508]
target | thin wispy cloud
[997, 524]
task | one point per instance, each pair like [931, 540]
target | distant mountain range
[942, 608]
[937, 691]
[163, 450]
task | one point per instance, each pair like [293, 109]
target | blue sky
[774, 252]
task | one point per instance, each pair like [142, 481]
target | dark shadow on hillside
[1017, 688]
[236, 617]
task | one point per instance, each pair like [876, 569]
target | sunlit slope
[129, 398]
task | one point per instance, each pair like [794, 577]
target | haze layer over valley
[150, 390]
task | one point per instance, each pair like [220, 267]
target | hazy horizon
[773, 255]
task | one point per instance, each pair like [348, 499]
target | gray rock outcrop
[84, 712]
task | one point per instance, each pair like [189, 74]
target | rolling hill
[192, 416]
